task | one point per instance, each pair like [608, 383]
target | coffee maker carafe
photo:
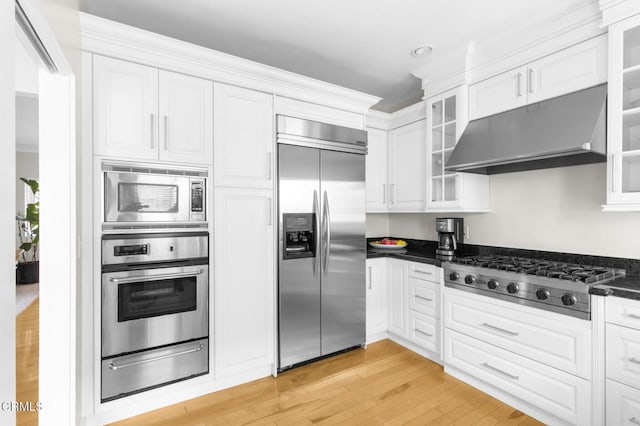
[450, 234]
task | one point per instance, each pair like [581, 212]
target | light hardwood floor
[27, 349]
[383, 384]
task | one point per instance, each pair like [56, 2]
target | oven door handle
[155, 277]
[114, 367]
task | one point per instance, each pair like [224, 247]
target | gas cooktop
[546, 284]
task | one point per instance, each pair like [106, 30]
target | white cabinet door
[244, 281]
[424, 331]
[376, 297]
[623, 354]
[376, 175]
[407, 158]
[500, 93]
[623, 404]
[125, 109]
[397, 296]
[244, 137]
[186, 118]
[578, 67]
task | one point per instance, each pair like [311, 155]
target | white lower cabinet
[424, 331]
[376, 299]
[564, 397]
[243, 288]
[397, 297]
[537, 361]
[623, 404]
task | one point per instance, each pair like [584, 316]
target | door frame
[57, 134]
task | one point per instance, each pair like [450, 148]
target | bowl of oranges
[389, 244]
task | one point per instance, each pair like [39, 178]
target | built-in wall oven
[155, 318]
[138, 194]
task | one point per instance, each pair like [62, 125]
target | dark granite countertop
[627, 287]
[416, 251]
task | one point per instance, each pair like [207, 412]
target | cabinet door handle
[613, 174]
[519, 84]
[497, 370]
[153, 119]
[417, 296]
[268, 166]
[370, 278]
[393, 194]
[493, 327]
[423, 332]
[166, 133]
[634, 420]
[269, 211]
[418, 271]
[634, 316]
[530, 80]
[634, 360]
[384, 193]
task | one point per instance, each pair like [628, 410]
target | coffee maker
[450, 235]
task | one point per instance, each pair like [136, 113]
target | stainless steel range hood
[564, 131]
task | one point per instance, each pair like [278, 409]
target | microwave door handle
[455, 244]
[142, 278]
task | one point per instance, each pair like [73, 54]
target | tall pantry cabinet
[243, 301]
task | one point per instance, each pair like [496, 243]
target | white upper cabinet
[500, 93]
[376, 175]
[186, 114]
[144, 113]
[407, 157]
[450, 191]
[577, 67]
[623, 121]
[125, 109]
[244, 137]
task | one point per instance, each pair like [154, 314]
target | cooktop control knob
[542, 294]
[469, 279]
[454, 276]
[569, 299]
[512, 288]
[493, 284]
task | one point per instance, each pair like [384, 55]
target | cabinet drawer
[424, 271]
[623, 404]
[560, 394]
[556, 340]
[623, 355]
[424, 331]
[424, 297]
[623, 312]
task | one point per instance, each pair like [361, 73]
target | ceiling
[362, 45]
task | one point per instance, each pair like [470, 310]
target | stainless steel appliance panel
[343, 254]
[153, 196]
[140, 371]
[134, 319]
[299, 279]
[119, 250]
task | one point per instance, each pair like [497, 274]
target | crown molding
[617, 10]
[385, 121]
[515, 46]
[109, 38]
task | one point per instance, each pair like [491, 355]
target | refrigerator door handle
[327, 233]
[316, 215]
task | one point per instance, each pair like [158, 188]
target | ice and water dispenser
[299, 235]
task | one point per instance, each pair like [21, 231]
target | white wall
[377, 225]
[552, 209]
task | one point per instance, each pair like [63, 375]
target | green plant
[29, 225]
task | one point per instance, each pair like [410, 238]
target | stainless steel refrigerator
[322, 244]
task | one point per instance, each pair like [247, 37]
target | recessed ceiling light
[421, 51]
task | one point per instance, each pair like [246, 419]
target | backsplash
[557, 210]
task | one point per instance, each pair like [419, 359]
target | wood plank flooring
[384, 384]
[27, 349]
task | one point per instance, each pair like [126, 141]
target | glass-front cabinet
[446, 190]
[623, 138]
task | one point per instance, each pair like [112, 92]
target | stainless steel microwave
[146, 195]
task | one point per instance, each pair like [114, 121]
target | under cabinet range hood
[563, 131]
